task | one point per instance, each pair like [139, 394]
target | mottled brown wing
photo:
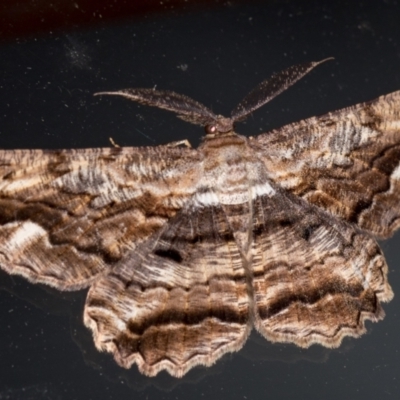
[315, 279]
[67, 216]
[346, 162]
[179, 300]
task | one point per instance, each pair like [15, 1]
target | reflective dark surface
[214, 52]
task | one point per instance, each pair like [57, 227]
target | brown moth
[185, 250]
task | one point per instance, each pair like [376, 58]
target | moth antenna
[268, 89]
[185, 107]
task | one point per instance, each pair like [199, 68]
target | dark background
[55, 55]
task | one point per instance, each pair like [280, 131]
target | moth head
[220, 125]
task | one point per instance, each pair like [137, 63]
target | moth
[185, 250]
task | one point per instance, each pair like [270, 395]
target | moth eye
[210, 129]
